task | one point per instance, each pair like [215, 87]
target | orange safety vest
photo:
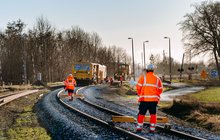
[149, 88]
[70, 83]
[65, 82]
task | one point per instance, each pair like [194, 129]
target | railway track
[65, 123]
[162, 129]
[8, 94]
[4, 99]
[101, 122]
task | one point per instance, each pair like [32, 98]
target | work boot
[152, 128]
[71, 98]
[152, 131]
[139, 128]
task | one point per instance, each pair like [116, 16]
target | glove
[132, 82]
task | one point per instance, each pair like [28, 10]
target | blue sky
[113, 20]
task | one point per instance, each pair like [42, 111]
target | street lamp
[144, 52]
[169, 58]
[132, 55]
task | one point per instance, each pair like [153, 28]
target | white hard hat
[150, 67]
[70, 75]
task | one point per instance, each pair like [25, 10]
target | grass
[166, 88]
[208, 95]
[55, 83]
[200, 109]
[26, 87]
[24, 121]
[165, 104]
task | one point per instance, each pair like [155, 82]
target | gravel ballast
[107, 117]
[94, 94]
[65, 124]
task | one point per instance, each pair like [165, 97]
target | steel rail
[159, 127]
[99, 121]
[7, 95]
[9, 98]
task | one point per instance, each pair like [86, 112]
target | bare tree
[48, 51]
[202, 30]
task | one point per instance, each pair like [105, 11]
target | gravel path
[94, 94]
[65, 124]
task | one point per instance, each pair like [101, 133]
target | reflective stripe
[70, 84]
[140, 124]
[152, 128]
[145, 79]
[138, 127]
[153, 125]
[149, 96]
[140, 84]
[150, 85]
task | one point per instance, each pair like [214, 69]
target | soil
[19, 120]
[205, 115]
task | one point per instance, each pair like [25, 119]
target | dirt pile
[205, 115]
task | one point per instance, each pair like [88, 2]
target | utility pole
[142, 60]
[133, 56]
[169, 58]
[144, 52]
[190, 68]
[181, 68]
[164, 64]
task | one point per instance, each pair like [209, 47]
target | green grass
[55, 83]
[166, 89]
[165, 104]
[25, 125]
[208, 95]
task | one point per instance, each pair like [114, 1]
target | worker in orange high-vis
[70, 84]
[149, 88]
[64, 83]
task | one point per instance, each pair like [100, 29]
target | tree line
[46, 50]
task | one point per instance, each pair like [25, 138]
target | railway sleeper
[160, 119]
[1, 101]
[130, 119]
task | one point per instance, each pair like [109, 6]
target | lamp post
[144, 52]
[142, 63]
[169, 58]
[132, 56]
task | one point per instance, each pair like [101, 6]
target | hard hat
[70, 75]
[150, 67]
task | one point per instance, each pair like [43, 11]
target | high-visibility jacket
[65, 82]
[149, 87]
[70, 83]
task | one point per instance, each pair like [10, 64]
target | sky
[113, 20]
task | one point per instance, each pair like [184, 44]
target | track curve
[63, 123]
